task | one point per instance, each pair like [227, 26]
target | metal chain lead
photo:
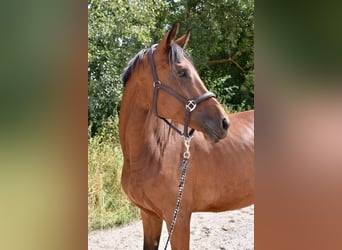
[183, 166]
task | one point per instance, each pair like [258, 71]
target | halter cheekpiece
[190, 105]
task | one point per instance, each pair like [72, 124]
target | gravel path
[232, 230]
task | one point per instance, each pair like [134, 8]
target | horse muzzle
[215, 131]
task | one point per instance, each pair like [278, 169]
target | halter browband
[190, 105]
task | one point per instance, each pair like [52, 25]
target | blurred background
[43, 144]
[47, 108]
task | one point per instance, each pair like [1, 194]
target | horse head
[176, 71]
[177, 92]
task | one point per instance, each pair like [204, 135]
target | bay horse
[160, 83]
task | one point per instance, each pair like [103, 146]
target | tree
[117, 30]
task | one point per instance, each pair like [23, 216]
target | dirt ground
[233, 230]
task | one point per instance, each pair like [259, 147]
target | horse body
[225, 181]
[220, 175]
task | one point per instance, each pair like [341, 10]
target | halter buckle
[190, 105]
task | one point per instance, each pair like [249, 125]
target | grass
[108, 206]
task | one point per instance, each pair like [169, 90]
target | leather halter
[190, 105]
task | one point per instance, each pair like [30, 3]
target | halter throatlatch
[190, 105]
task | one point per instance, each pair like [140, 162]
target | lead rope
[183, 166]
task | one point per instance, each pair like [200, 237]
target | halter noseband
[190, 105]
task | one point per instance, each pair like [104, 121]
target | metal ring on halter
[157, 82]
[190, 105]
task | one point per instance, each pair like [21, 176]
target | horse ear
[169, 37]
[182, 41]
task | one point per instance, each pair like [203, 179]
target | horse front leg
[180, 238]
[152, 225]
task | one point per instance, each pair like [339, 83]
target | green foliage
[221, 44]
[107, 204]
[117, 30]
[222, 47]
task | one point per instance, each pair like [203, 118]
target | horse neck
[140, 130]
[133, 114]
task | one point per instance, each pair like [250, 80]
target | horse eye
[181, 73]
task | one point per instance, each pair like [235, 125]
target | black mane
[131, 65]
[176, 53]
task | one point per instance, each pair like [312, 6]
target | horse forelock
[176, 53]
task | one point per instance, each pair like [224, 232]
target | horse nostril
[225, 124]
